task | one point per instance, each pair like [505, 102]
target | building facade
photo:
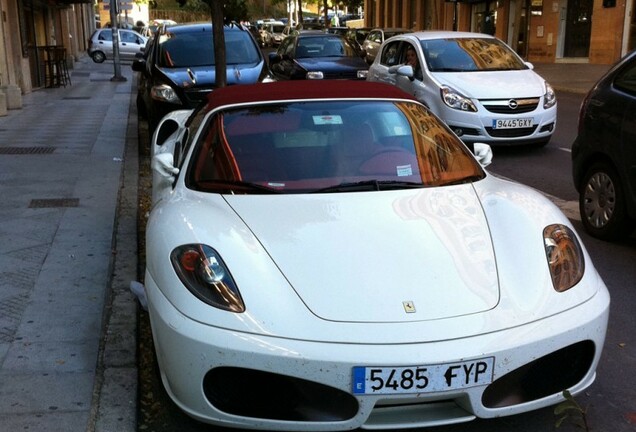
[542, 31]
[29, 29]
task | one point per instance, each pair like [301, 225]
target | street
[608, 403]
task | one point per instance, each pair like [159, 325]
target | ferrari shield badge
[409, 306]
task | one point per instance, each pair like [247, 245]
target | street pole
[114, 11]
[455, 15]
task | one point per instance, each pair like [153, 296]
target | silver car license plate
[512, 123]
[423, 379]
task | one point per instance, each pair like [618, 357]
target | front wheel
[602, 204]
[98, 57]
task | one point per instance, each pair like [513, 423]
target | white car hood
[408, 255]
[495, 84]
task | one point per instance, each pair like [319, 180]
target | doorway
[518, 27]
[578, 27]
[629, 41]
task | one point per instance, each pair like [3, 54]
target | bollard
[13, 96]
[3, 104]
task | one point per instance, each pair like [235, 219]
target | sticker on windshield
[404, 170]
[327, 120]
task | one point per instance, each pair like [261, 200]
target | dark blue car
[317, 55]
[177, 70]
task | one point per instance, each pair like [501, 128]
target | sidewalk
[68, 251]
[571, 77]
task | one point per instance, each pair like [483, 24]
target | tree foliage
[234, 10]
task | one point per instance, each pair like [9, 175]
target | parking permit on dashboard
[404, 170]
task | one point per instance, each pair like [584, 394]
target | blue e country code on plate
[423, 379]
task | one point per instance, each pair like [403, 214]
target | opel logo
[513, 104]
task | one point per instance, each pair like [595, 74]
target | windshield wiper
[232, 185]
[369, 185]
[448, 69]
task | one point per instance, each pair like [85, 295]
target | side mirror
[403, 70]
[483, 154]
[163, 164]
[274, 57]
[530, 65]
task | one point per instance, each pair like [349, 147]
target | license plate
[422, 379]
[512, 123]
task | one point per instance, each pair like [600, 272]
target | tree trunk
[326, 6]
[218, 39]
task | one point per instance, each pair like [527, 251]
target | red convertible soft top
[303, 89]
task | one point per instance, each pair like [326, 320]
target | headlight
[164, 93]
[549, 98]
[565, 256]
[362, 73]
[203, 272]
[315, 75]
[456, 100]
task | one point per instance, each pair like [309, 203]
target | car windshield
[339, 146]
[192, 49]
[324, 47]
[469, 55]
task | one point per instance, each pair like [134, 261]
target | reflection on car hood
[332, 64]
[494, 84]
[408, 255]
[205, 76]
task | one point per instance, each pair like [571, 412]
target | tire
[602, 204]
[98, 57]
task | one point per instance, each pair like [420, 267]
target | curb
[116, 380]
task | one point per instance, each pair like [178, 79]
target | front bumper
[474, 127]
[192, 354]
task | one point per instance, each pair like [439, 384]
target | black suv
[604, 154]
[177, 70]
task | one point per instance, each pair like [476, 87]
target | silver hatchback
[100, 45]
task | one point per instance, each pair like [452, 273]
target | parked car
[376, 38]
[178, 70]
[315, 54]
[357, 35]
[604, 154]
[100, 45]
[330, 256]
[150, 30]
[266, 32]
[278, 32]
[310, 24]
[479, 86]
[337, 30]
[264, 37]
